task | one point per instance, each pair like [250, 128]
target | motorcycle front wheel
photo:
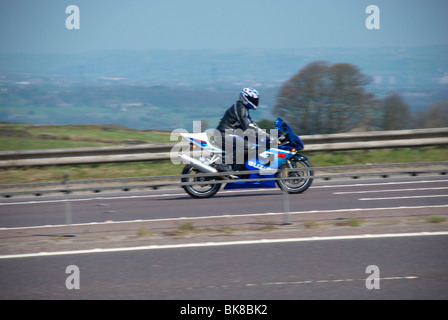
[199, 190]
[295, 181]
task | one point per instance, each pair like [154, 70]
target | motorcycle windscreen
[296, 142]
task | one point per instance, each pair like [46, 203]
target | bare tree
[435, 116]
[396, 113]
[324, 98]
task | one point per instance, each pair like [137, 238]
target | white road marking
[380, 184]
[389, 190]
[221, 192]
[90, 199]
[326, 281]
[123, 197]
[408, 197]
[311, 281]
[229, 216]
[225, 243]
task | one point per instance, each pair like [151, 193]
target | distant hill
[169, 89]
[228, 68]
[137, 107]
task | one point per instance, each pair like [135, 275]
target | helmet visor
[254, 101]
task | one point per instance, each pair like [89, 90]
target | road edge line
[225, 243]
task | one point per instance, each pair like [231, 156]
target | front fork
[297, 157]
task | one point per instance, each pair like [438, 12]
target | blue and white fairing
[202, 141]
[277, 156]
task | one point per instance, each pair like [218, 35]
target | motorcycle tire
[295, 181]
[199, 190]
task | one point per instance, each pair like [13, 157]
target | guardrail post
[285, 200]
[68, 207]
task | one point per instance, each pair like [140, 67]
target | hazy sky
[38, 26]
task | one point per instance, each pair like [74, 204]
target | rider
[237, 120]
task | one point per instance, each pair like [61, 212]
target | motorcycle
[275, 162]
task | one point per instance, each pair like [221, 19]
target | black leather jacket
[236, 117]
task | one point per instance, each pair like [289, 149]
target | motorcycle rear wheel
[199, 190]
[295, 181]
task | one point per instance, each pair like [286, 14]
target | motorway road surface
[411, 267]
[175, 203]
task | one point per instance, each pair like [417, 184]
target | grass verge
[353, 222]
[435, 219]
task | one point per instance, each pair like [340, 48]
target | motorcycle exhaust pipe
[197, 164]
